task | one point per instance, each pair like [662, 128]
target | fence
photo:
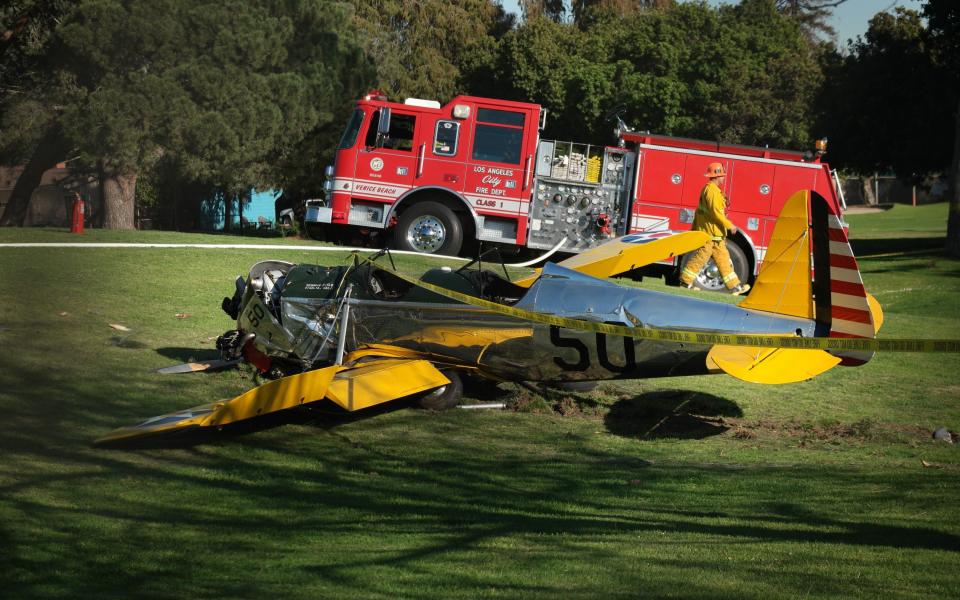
[887, 189]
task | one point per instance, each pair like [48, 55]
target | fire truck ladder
[839, 188]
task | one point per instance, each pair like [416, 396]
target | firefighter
[711, 218]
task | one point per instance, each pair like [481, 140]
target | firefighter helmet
[715, 169]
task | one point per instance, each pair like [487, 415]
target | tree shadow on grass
[679, 414]
[912, 263]
[429, 498]
[911, 247]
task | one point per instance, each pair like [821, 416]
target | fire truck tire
[316, 231]
[709, 278]
[443, 398]
[429, 227]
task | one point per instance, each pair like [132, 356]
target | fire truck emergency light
[461, 111]
[821, 146]
[421, 103]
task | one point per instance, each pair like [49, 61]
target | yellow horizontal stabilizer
[629, 252]
[272, 396]
[769, 365]
[384, 380]
[783, 285]
[875, 312]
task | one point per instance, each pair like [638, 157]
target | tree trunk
[953, 218]
[869, 198]
[227, 212]
[118, 193]
[49, 151]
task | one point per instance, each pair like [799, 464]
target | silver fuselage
[514, 349]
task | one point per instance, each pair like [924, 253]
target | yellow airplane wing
[629, 252]
[352, 388]
[381, 381]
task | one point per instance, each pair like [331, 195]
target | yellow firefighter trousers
[718, 250]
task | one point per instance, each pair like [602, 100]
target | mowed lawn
[679, 488]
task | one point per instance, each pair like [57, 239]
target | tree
[555, 10]
[887, 107]
[769, 76]
[944, 26]
[812, 15]
[29, 131]
[743, 74]
[586, 12]
[429, 48]
[225, 90]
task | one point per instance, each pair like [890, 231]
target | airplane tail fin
[828, 289]
[784, 285]
[844, 308]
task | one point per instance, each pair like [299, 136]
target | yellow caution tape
[697, 337]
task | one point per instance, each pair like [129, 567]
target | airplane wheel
[709, 278]
[445, 397]
[429, 227]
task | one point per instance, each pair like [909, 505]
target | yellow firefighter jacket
[711, 214]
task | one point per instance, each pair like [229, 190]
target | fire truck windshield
[353, 128]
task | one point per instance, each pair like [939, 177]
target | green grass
[901, 229]
[687, 487]
[901, 221]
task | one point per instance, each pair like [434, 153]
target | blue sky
[849, 19]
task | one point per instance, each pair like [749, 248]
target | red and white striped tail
[850, 314]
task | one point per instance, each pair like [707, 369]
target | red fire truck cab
[435, 177]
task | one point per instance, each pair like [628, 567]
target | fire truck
[435, 178]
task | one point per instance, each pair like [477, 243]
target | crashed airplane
[362, 334]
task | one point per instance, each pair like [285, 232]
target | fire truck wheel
[316, 231]
[709, 278]
[429, 227]
[442, 398]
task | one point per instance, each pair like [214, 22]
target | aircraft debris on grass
[362, 334]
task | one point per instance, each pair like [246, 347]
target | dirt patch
[568, 407]
[864, 430]
[544, 400]
[682, 414]
[527, 402]
[863, 209]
